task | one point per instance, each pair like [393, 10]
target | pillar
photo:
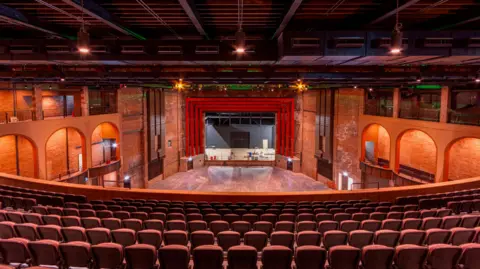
[396, 102]
[37, 103]
[85, 102]
[444, 104]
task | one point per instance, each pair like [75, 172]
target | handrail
[389, 174]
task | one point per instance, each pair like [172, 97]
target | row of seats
[235, 217]
[142, 256]
[226, 238]
[458, 195]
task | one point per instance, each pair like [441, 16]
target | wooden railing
[388, 174]
[97, 192]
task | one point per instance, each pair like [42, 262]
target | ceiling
[218, 19]
[37, 40]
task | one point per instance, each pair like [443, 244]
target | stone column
[85, 102]
[396, 102]
[37, 103]
[444, 104]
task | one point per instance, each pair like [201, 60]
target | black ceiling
[218, 19]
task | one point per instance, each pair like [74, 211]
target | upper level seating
[335, 231]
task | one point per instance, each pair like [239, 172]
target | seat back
[107, 255]
[208, 257]
[141, 256]
[277, 257]
[174, 257]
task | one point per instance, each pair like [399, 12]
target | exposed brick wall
[379, 136]
[464, 159]
[131, 101]
[347, 109]
[171, 160]
[56, 151]
[309, 162]
[6, 102]
[26, 156]
[8, 155]
[102, 131]
[417, 150]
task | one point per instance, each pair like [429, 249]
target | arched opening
[462, 159]
[105, 149]
[376, 145]
[65, 153]
[417, 155]
[18, 156]
[105, 142]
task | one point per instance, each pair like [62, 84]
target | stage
[239, 179]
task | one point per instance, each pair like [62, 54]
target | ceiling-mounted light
[419, 79]
[355, 86]
[370, 89]
[477, 79]
[62, 79]
[50, 87]
[240, 42]
[397, 36]
[83, 38]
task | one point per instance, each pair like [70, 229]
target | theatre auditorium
[240, 134]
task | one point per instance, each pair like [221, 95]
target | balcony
[16, 116]
[379, 102]
[376, 109]
[100, 110]
[418, 113]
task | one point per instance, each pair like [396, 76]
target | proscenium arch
[398, 146]
[83, 151]
[363, 140]
[34, 153]
[116, 136]
[447, 153]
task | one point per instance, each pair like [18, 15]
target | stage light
[345, 174]
[83, 41]
[301, 87]
[355, 86]
[114, 145]
[240, 42]
[419, 79]
[86, 179]
[50, 87]
[127, 177]
[240, 50]
[370, 89]
[289, 160]
[179, 86]
[62, 79]
[477, 79]
[397, 36]
[190, 159]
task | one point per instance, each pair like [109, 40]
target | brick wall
[380, 137]
[348, 104]
[309, 162]
[6, 101]
[26, 156]
[130, 105]
[56, 151]
[171, 161]
[102, 131]
[8, 155]
[464, 159]
[417, 150]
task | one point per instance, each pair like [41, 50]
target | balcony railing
[60, 112]
[389, 176]
[464, 118]
[399, 180]
[16, 116]
[99, 110]
[376, 109]
[416, 113]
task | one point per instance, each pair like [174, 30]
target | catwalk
[239, 179]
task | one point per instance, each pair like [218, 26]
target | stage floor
[239, 179]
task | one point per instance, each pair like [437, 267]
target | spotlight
[370, 89]
[355, 86]
[396, 41]
[50, 87]
[114, 145]
[190, 159]
[240, 42]
[83, 41]
[477, 79]
[289, 160]
[62, 79]
[419, 79]
[127, 177]
[179, 86]
[240, 50]
[345, 174]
